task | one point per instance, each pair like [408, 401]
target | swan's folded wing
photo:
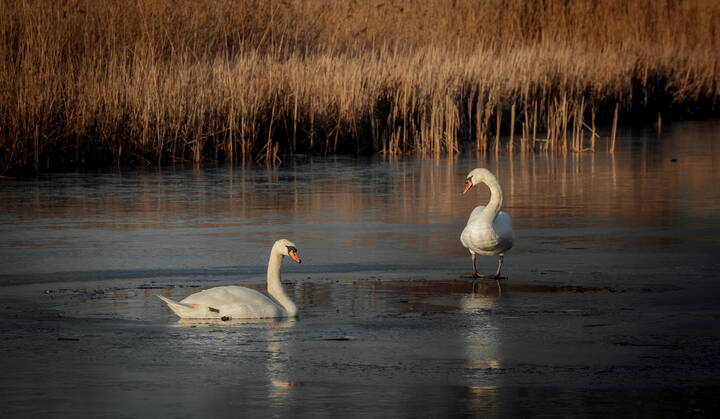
[504, 230]
[181, 309]
[236, 302]
[221, 296]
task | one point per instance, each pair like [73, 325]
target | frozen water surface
[610, 309]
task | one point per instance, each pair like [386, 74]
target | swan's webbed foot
[225, 318]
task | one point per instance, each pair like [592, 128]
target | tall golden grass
[87, 82]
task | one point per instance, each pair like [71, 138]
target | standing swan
[488, 231]
[233, 302]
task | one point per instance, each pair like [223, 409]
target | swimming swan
[488, 231]
[233, 302]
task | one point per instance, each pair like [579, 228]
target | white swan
[488, 231]
[233, 302]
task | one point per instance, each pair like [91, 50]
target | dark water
[610, 308]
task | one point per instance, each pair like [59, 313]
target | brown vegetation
[89, 82]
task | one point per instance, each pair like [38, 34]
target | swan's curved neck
[496, 198]
[274, 286]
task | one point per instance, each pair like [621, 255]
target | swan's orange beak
[468, 185]
[293, 254]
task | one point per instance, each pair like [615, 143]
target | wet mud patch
[434, 288]
[322, 298]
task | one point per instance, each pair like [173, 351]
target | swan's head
[476, 176]
[286, 248]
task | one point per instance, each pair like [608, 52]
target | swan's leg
[500, 263]
[476, 275]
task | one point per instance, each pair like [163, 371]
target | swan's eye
[469, 179]
[291, 249]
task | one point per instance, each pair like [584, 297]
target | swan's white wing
[487, 238]
[223, 295]
[188, 311]
[236, 302]
[504, 230]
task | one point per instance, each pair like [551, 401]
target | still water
[358, 214]
[612, 285]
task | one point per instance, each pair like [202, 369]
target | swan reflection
[271, 337]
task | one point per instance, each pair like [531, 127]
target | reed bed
[147, 82]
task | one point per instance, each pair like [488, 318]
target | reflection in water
[268, 336]
[183, 323]
[350, 212]
[278, 374]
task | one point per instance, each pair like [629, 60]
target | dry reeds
[85, 82]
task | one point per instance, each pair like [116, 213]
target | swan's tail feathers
[182, 310]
